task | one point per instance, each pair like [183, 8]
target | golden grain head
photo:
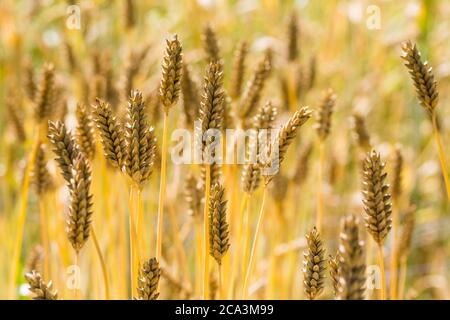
[324, 114]
[111, 134]
[352, 268]
[140, 141]
[64, 147]
[422, 76]
[148, 280]
[376, 198]
[39, 289]
[218, 226]
[210, 44]
[314, 265]
[44, 99]
[171, 73]
[79, 218]
[85, 131]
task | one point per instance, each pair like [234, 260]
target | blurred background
[351, 46]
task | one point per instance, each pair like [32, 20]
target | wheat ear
[428, 96]
[169, 90]
[314, 265]
[148, 281]
[352, 267]
[40, 290]
[377, 206]
[111, 134]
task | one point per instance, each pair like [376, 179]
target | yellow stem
[178, 243]
[134, 251]
[162, 187]
[140, 224]
[44, 236]
[255, 244]
[102, 263]
[206, 234]
[247, 231]
[383, 274]
[220, 281]
[242, 215]
[402, 278]
[22, 216]
[75, 288]
[441, 154]
[394, 262]
[320, 203]
[199, 260]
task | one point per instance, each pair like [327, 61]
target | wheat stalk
[404, 246]
[323, 130]
[377, 206]
[397, 168]
[169, 90]
[428, 96]
[284, 138]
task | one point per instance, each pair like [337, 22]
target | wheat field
[97, 99]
